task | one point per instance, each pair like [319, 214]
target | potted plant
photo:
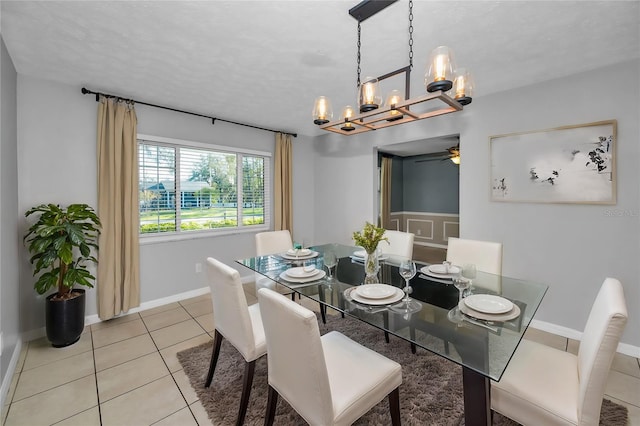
[61, 243]
[368, 239]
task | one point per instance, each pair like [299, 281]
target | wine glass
[469, 272]
[407, 270]
[330, 261]
[461, 284]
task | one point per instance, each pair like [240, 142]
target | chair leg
[217, 341]
[385, 322]
[323, 313]
[293, 296]
[394, 406]
[412, 336]
[272, 402]
[249, 368]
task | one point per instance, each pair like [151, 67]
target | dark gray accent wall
[424, 186]
[430, 186]
[397, 185]
[9, 238]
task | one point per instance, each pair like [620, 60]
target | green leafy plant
[61, 242]
[369, 237]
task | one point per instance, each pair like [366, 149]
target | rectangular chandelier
[448, 89]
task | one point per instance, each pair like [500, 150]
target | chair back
[272, 242]
[486, 255]
[400, 244]
[602, 332]
[230, 310]
[297, 368]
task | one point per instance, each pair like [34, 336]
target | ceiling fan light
[322, 111]
[439, 73]
[369, 95]
[393, 98]
[463, 86]
[347, 114]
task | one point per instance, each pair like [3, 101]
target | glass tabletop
[436, 324]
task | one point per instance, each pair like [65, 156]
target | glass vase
[371, 268]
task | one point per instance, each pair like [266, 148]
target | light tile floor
[125, 372]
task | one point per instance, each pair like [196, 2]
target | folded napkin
[441, 269]
[298, 252]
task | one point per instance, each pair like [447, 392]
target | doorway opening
[419, 193]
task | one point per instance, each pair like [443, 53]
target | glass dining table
[482, 346]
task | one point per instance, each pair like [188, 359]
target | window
[186, 187]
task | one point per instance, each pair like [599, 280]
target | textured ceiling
[264, 62]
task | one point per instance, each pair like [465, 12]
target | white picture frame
[570, 164]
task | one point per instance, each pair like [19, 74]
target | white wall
[9, 238]
[57, 163]
[572, 248]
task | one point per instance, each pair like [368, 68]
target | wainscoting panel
[430, 229]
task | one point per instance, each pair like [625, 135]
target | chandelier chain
[358, 80]
[411, 34]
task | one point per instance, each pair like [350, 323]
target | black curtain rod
[86, 91]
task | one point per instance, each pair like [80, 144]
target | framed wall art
[571, 164]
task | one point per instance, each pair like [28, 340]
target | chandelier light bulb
[347, 114]
[440, 71]
[463, 86]
[369, 95]
[393, 98]
[322, 111]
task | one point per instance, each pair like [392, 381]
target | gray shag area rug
[430, 394]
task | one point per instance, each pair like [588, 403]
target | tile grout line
[180, 390]
[168, 369]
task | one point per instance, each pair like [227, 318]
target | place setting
[303, 274]
[481, 309]
[374, 294]
[359, 256]
[442, 271]
[299, 254]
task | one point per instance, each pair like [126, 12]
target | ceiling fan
[452, 153]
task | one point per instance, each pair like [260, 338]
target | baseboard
[93, 319]
[11, 370]
[623, 348]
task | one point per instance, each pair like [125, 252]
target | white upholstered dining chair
[272, 242]
[547, 386]
[328, 380]
[237, 322]
[400, 244]
[486, 255]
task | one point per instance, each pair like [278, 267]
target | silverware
[479, 323]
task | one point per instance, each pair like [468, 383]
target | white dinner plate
[310, 255]
[376, 291]
[513, 313]
[302, 272]
[425, 270]
[399, 294]
[315, 277]
[488, 303]
[442, 270]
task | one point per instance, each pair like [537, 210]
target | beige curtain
[118, 257]
[385, 191]
[282, 184]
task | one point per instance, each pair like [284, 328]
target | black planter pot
[65, 319]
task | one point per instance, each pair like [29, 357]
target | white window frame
[153, 238]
